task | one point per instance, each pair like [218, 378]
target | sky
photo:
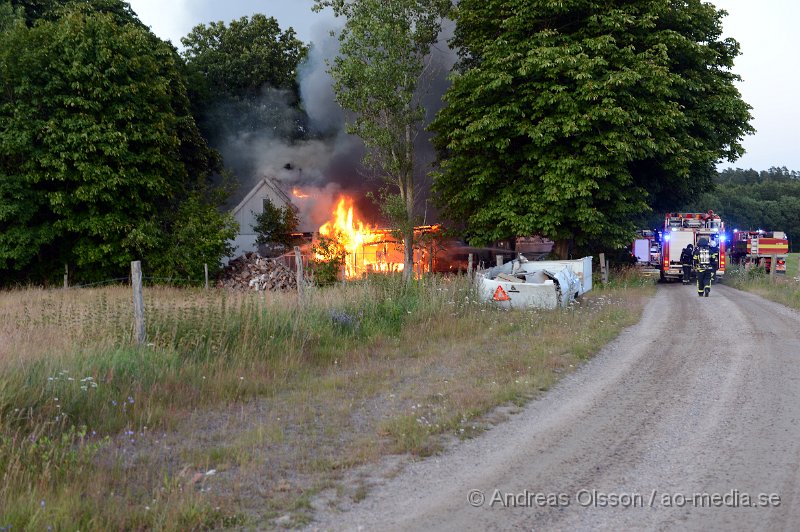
[766, 30]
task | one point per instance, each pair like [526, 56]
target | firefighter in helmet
[706, 261]
[686, 263]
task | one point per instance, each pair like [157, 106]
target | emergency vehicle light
[666, 237]
[674, 228]
[722, 238]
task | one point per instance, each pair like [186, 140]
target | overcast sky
[766, 30]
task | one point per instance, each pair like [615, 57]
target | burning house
[374, 250]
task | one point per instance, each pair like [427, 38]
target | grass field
[784, 289]
[792, 265]
[242, 408]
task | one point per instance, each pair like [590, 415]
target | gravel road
[701, 397]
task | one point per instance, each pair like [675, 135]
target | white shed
[266, 189]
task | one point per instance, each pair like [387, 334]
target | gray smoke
[329, 163]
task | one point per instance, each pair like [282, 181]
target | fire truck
[758, 247]
[646, 250]
[684, 228]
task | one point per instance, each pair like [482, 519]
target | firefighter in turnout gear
[686, 263]
[706, 261]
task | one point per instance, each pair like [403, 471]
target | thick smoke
[330, 163]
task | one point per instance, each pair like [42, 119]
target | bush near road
[784, 289]
[243, 407]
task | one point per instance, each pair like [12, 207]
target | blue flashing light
[722, 238]
[666, 237]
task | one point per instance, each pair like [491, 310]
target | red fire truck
[684, 228]
[758, 247]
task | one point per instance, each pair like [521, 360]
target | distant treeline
[747, 199]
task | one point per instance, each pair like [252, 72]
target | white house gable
[253, 204]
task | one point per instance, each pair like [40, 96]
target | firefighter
[706, 261]
[686, 263]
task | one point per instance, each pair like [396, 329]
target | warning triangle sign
[500, 295]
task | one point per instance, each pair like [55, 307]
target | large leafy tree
[234, 67]
[35, 10]
[570, 118]
[97, 147]
[240, 58]
[384, 47]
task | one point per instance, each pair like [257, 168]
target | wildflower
[113, 402]
[130, 399]
[41, 503]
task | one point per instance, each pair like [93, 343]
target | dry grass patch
[246, 406]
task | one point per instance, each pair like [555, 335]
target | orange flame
[368, 248]
[297, 193]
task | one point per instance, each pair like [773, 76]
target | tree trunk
[408, 237]
[408, 195]
[562, 248]
[408, 255]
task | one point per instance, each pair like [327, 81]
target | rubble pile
[251, 271]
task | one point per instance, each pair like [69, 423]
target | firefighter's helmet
[702, 242]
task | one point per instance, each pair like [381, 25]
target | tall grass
[72, 378]
[76, 393]
[781, 288]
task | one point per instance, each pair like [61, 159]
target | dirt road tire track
[702, 396]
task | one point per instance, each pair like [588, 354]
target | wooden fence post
[205, 271]
[298, 262]
[499, 260]
[66, 276]
[469, 266]
[138, 302]
[773, 263]
[603, 268]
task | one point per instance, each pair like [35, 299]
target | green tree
[232, 67]
[240, 58]
[97, 146]
[571, 118]
[197, 234]
[275, 225]
[328, 257]
[384, 46]
[53, 9]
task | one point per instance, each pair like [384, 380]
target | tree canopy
[98, 150]
[751, 200]
[570, 118]
[240, 58]
[34, 10]
[243, 77]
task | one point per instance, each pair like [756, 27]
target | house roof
[267, 182]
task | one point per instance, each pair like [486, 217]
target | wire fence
[171, 281]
